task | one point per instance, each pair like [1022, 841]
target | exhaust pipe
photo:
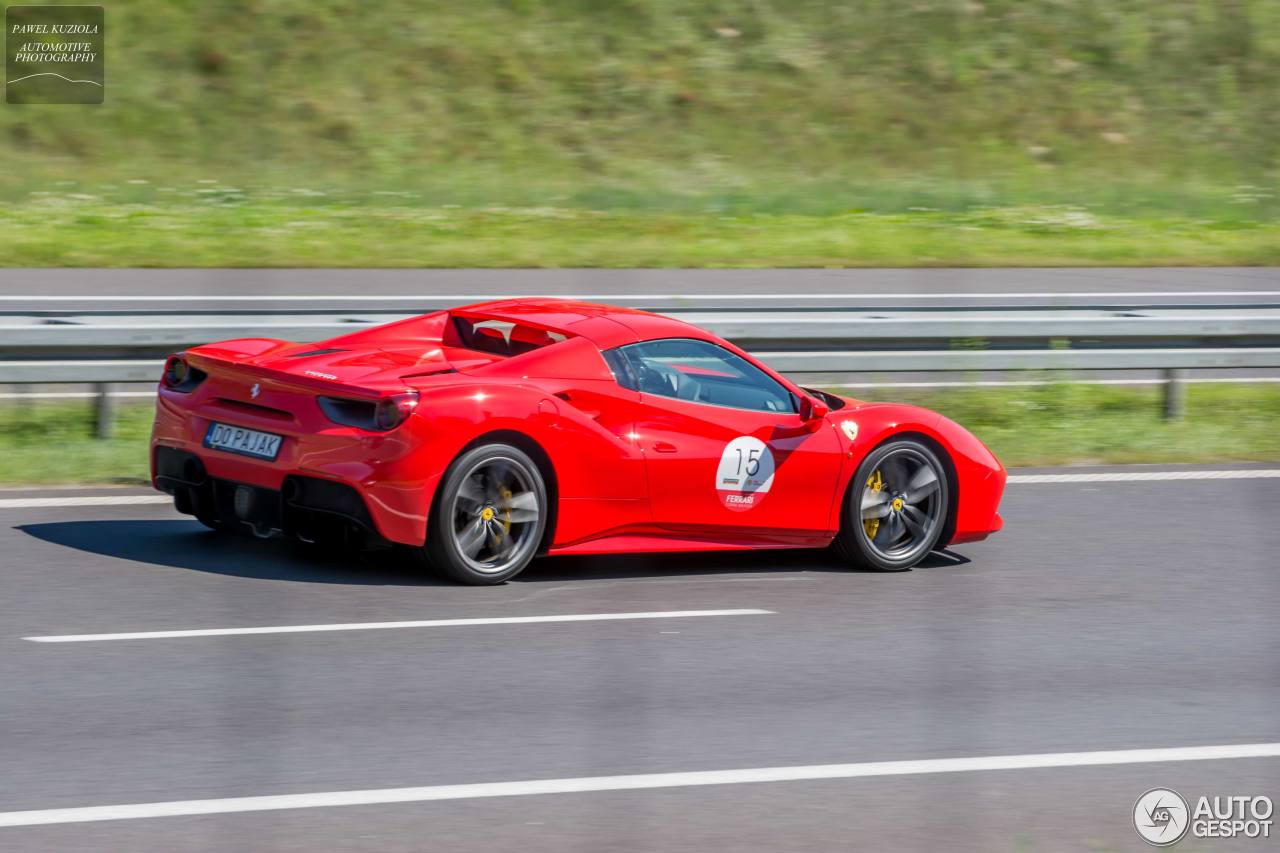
[243, 502]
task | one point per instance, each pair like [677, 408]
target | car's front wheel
[489, 515]
[895, 508]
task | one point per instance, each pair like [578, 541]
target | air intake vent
[434, 371]
[309, 353]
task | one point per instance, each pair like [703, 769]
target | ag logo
[1161, 817]
[745, 473]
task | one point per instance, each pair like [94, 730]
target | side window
[621, 368]
[697, 371]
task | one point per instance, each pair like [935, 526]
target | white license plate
[247, 442]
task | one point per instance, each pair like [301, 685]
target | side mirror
[812, 409]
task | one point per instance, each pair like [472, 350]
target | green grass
[240, 234]
[46, 442]
[1067, 423]
[657, 132]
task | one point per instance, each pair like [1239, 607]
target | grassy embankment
[650, 132]
[1049, 425]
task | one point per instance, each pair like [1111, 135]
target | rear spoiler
[230, 359]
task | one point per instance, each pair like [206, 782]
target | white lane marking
[468, 298]
[587, 784]
[67, 487]
[376, 626]
[1142, 476]
[83, 500]
[1100, 477]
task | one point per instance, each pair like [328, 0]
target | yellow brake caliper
[875, 483]
[506, 514]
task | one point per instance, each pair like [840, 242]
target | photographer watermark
[1163, 817]
[53, 55]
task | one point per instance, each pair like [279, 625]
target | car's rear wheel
[895, 508]
[489, 515]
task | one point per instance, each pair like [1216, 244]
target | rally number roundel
[745, 474]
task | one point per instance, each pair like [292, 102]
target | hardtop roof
[605, 325]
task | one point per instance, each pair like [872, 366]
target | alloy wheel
[902, 504]
[494, 517]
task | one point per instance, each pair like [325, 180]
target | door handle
[664, 447]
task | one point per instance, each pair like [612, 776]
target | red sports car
[484, 436]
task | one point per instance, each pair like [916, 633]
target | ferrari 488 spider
[483, 436]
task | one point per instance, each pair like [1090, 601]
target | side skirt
[639, 543]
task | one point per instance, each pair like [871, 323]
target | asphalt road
[1108, 615]
[327, 289]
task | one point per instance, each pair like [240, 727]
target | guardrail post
[104, 410]
[1175, 394]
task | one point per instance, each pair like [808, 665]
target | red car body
[626, 471]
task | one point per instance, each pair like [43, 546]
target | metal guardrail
[89, 372]
[104, 348]
[789, 362]
[812, 328]
[891, 361]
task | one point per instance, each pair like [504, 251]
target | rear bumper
[307, 507]
[392, 487]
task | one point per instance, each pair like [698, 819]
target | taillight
[381, 416]
[395, 410]
[175, 371]
[180, 376]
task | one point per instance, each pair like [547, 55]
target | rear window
[502, 337]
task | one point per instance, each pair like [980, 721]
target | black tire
[489, 516]
[894, 533]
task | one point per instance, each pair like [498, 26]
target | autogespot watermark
[1163, 817]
